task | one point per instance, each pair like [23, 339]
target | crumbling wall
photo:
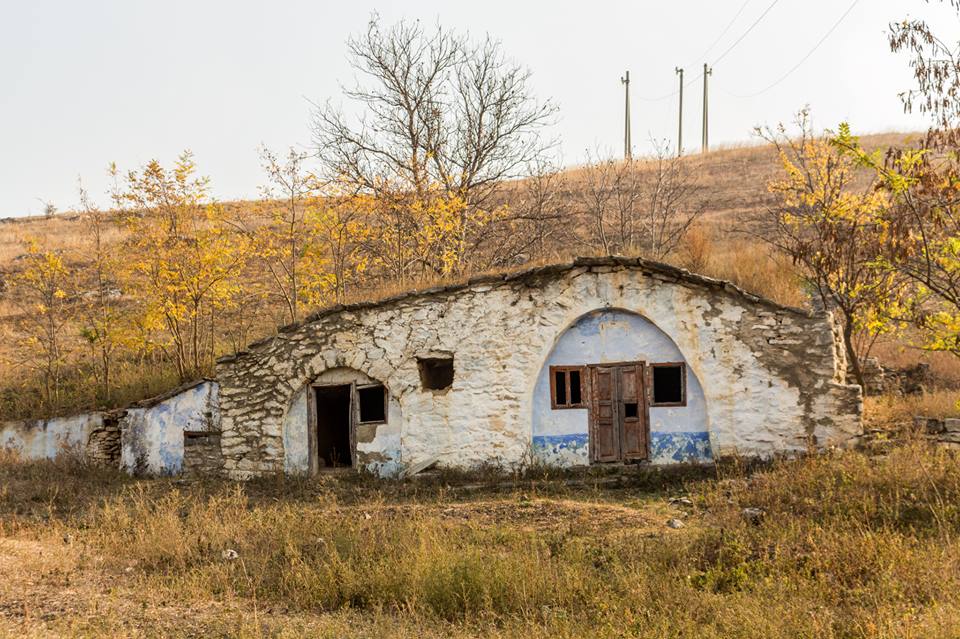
[103, 442]
[84, 435]
[152, 433]
[879, 379]
[772, 377]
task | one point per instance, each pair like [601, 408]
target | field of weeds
[843, 545]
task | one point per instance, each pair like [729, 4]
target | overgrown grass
[848, 546]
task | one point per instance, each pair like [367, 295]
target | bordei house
[599, 361]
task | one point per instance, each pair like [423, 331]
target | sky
[84, 84]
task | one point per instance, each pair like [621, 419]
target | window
[436, 373]
[669, 385]
[566, 386]
[373, 403]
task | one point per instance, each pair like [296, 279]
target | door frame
[313, 425]
[643, 410]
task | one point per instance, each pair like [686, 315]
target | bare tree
[605, 193]
[540, 224]
[281, 233]
[439, 112]
[100, 308]
[642, 206]
[669, 207]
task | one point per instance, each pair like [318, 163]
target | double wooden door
[618, 412]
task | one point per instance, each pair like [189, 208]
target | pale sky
[86, 83]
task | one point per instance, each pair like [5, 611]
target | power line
[745, 33]
[803, 59]
[703, 55]
[722, 55]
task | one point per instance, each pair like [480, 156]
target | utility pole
[627, 152]
[680, 117]
[706, 72]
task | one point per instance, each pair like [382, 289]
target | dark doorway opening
[333, 426]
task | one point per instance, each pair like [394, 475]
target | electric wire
[722, 55]
[703, 55]
[803, 59]
[745, 33]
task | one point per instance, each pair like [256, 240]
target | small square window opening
[630, 410]
[436, 373]
[373, 403]
[669, 387]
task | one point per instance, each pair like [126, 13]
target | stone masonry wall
[771, 376]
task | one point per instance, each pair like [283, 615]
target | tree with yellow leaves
[834, 233]
[921, 187]
[337, 256]
[184, 259]
[42, 291]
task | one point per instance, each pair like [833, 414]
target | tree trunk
[853, 361]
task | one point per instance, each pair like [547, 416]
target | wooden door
[618, 413]
[633, 414]
[604, 414]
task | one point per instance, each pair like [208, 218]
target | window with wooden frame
[566, 387]
[668, 384]
[372, 403]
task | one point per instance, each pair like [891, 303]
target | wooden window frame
[386, 402]
[683, 384]
[553, 387]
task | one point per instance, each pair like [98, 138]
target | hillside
[732, 184]
[729, 185]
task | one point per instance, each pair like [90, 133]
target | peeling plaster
[768, 375]
[151, 437]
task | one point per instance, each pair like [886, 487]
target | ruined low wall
[146, 439]
[772, 377]
[152, 433]
[94, 436]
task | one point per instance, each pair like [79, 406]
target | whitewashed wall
[378, 445]
[771, 377]
[151, 437]
[47, 438]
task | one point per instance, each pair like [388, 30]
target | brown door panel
[633, 423]
[604, 418]
[618, 412]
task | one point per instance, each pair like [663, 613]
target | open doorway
[332, 409]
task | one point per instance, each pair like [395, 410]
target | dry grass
[849, 546]
[897, 413]
[733, 192]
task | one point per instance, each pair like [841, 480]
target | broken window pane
[372, 400]
[668, 384]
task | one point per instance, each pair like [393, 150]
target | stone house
[602, 360]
